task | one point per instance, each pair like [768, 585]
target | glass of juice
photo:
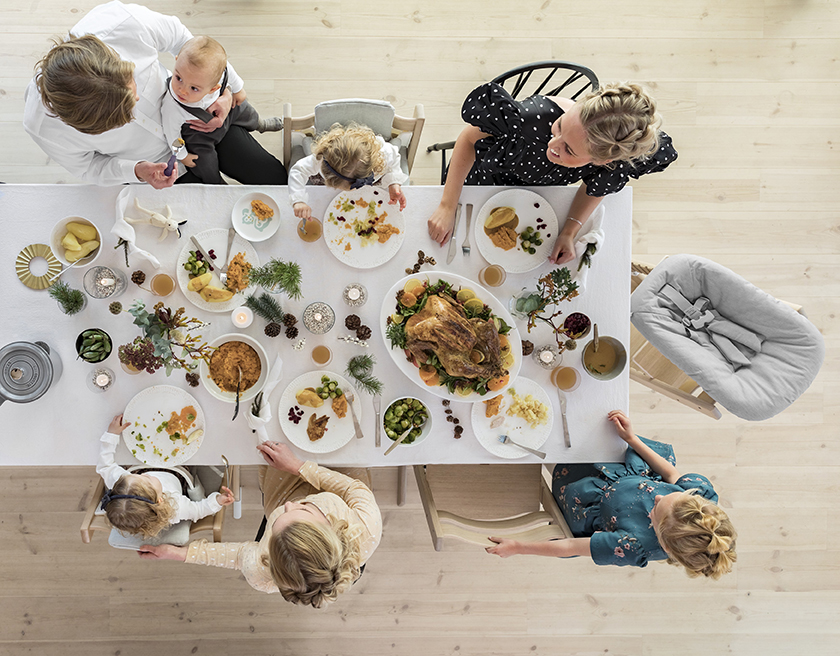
[162, 285]
[566, 378]
[492, 275]
[321, 355]
[309, 229]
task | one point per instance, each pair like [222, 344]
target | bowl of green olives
[404, 413]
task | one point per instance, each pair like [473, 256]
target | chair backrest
[548, 78]
[378, 115]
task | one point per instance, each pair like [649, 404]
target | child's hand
[503, 548]
[622, 425]
[117, 426]
[302, 210]
[239, 98]
[397, 195]
[189, 160]
[225, 497]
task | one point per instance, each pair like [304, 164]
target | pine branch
[266, 306]
[285, 276]
[71, 300]
[360, 368]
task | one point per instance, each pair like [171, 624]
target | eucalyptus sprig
[552, 289]
[71, 300]
[360, 368]
[266, 306]
[279, 275]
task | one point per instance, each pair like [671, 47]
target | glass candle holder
[103, 282]
[318, 318]
[548, 356]
[355, 295]
[100, 380]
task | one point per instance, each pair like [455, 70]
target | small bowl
[251, 392]
[58, 232]
[109, 346]
[246, 223]
[620, 358]
[580, 334]
[427, 427]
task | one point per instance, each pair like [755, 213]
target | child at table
[634, 513]
[201, 73]
[145, 504]
[347, 158]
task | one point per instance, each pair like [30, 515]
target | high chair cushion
[378, 115]
[177, 534]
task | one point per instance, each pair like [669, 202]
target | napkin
[258, 422]
[124, 230]
[590, 233]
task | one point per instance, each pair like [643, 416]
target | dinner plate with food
[362, 229]
[234, 353]
[199, 280]
[255, 216]
[450, 336]
[166, 426]
[516, 229]
[314, 412]
[523, 413]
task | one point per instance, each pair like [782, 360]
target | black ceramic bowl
[94, 345]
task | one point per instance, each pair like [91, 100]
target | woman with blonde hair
[638, 512]
[605, 138]
[323, 526]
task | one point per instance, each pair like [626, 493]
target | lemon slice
[463, 391]
[465, 295]
[474, 304]
[397, 318]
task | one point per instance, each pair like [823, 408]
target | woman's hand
[219, 109]
[564, 249]
[162, 552]
[225, 497]
[302, 210]
[397, 196]
[280, 457]
[622, 425]
[117, 426]
[504, 547]
[440, 224]
[154, 175]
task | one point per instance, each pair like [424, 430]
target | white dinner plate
[350, 210]
[249, 225]
[339, 431]
[215, 239]
[516, 428]
[145, 412]
[529, 207]
[389, 304]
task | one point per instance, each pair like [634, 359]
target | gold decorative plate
[24, 259]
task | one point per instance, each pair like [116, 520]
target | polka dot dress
[514, 154]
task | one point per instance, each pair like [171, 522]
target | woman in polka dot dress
[602, 140]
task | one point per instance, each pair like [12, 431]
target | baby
[347, 158]
[145, 504]
[201, 74]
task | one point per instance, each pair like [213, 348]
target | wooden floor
[750, 95]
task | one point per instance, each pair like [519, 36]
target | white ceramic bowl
[427, 427]
[251, 392]
[58, 232]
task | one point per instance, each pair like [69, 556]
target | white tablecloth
[63, 426]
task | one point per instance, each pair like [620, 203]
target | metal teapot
[27, 370]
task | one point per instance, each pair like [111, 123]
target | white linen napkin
[124, 230]
[590, 233]
[258, 422]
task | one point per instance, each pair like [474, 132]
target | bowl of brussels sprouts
[403, 413]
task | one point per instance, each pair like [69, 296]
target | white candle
[242, 317]
[318, 317]
[102, 380]
[354, 293]
[546, 356]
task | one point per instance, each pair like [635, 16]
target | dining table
[64, 425]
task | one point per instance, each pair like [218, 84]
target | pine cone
[527, 347]
[192, 379]
[115, 307]
[363, 332]
[352, 322]
[138, 277]
[289, 320]
[291, 332]
[273, 329]
[571, 344]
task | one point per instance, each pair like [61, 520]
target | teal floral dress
[610, 503]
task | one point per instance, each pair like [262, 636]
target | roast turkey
[443, 329]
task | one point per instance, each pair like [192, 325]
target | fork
[223, 271]
[465, 247]
[504, 439]
[350, 398]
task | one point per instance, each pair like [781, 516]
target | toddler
[201, 74]
[347, 158]
[145, 504]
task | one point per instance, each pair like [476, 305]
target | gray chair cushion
[378, 115]
[791, 353]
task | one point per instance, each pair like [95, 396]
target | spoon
[400, 439]
[67, 268]
[595, 339]
[238, 385]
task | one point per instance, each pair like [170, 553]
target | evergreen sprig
[277, 274]
[266, 306]
[71, 300]
[360, 368]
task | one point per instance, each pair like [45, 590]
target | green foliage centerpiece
[277, 276]
[71, 301]
[542, 304]
[360, 369]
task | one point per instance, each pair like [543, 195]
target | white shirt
[111, 472]
[306, 167]
[137, 34]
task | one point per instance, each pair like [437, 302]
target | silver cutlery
[350, 398]
[563, 415]
[203, 252]
[223, 271]
[400, 439]
[504, 439]
[238, 388]
[452, 242]
[465, 247]
[65, 269]
[377, 400]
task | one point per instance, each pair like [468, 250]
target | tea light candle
[100, 380]
[355, 295]
[318, 318]
[547, 356]
[242, 316]
[103, 282]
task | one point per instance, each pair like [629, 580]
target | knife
[376, 407]
[452, 241]
[204, 253]
[562, 398]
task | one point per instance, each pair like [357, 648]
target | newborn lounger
[749, 351]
